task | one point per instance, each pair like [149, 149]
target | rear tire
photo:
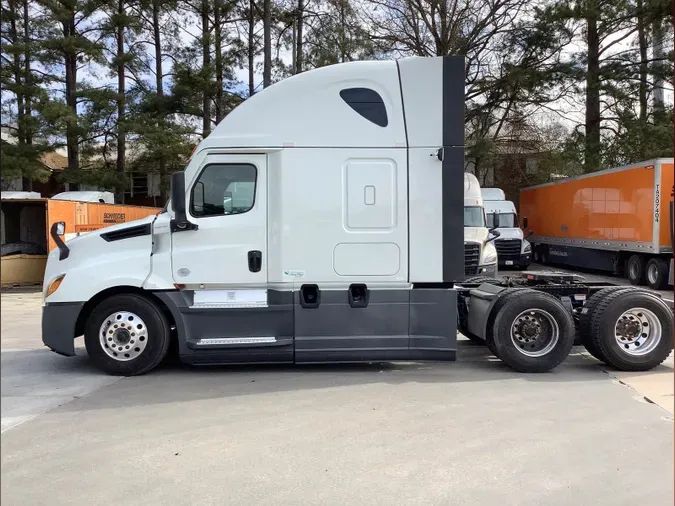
[127, 335]
[656, 273]
[633, 330]
[586, 315]
[532, 332]
[635, 270]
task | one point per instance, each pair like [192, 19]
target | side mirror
[60, 228]
[180, 221]
[525, 222]
[495, 220]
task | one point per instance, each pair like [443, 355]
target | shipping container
[25, 231]
[618, 220]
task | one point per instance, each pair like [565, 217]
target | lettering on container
[657, 201]
[114, 217]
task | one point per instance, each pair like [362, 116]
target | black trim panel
[127, 233]
[453, 168]
[395, 325]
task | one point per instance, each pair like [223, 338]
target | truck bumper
[58, 326]
[520, 261]
[488, 270]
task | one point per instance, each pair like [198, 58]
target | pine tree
[24, 98]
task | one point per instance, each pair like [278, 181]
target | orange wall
[618, 206]
[85, 216]
[666, 198]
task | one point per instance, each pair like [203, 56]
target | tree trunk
[298, 48]
[644, 74]
[220, 106]
[121, 95]
[70, 60]
[251, 47]
[267, 43]
[28, 99]
[592, 141]
[17, 71]
[159, 75]
[206, 64]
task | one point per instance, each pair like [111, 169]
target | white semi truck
[321, 221]
[480, 255]
[512, 247]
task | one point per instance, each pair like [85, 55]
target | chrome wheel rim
[652, 274]
[123, 336]
[535, 332]
[638, 331]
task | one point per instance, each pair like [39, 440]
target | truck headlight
[528, 247]
[489, 254]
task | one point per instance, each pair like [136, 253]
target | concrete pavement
[472, 432]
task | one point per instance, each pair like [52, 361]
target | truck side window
[368, 103]
[223, 189]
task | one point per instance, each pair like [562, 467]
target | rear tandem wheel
[530, 331]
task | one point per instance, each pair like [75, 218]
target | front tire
[532, 331]
[127, 335]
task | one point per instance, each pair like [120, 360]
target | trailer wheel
[127, 335]
[657, 274]
[532, 332]
[632, 330]
[635, 270]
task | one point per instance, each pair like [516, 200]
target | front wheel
[127, 335]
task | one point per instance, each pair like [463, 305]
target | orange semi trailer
[618, 220]
[25, 231]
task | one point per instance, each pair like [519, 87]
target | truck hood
[475, 234]
[95, 235]
[510, 233]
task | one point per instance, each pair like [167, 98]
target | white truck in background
[332, 236]
[480, 255]
[513, 249]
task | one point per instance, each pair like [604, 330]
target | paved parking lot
[470, 432]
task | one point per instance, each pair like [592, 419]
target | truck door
[228, 202]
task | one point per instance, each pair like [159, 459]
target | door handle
[254, 261]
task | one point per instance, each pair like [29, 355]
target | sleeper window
[224, 189]
[368, 103]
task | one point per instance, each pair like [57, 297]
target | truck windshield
[506, 220]
[474, 216]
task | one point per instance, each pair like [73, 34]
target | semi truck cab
[512, 247]
[480, 254]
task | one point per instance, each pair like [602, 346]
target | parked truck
[480, 254]
[334, 236]
[618, 220]
[513, 249]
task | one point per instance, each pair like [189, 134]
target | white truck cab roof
[86, 196]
